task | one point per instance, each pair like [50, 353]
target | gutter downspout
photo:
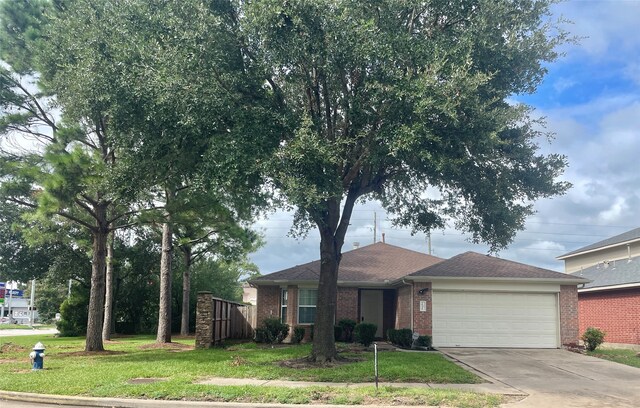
[411, 285]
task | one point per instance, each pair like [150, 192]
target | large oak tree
[406, 102]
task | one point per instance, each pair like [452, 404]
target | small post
[375, 362]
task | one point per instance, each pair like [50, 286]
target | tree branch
[60, 213]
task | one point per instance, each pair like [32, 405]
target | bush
[592, 337]
[346, 330]
[401, 338]
[260, 335]
[365, 333]
[424, 341]
[73, 316]
[298, 334]
[272, 331]
[337, 333]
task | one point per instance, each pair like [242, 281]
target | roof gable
[372, 263]
[475, 265]
[625, 237]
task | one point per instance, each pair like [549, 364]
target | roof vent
[356, 245]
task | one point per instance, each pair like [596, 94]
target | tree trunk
[164, 315]
[108, 301]
[324, 346]
[98, 266]
[186, 291]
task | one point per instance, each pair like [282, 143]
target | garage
[495, 319]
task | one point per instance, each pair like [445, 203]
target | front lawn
[622, 356]
[70, 371]
[7, 326]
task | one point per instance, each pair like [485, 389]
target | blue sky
[591, 101]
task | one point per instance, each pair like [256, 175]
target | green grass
[622, 356]
[13, 326]
[106, 375]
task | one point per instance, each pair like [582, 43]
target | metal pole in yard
[31, 305]
[375, 362]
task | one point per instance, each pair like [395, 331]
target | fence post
[204, 320]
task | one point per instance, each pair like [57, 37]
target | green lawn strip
[14, 326]
[622, 356]
[69, 371]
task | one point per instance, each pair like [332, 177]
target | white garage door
[494, 319]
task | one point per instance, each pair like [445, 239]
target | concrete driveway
[555, 378]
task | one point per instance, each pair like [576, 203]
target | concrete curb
[137, 403]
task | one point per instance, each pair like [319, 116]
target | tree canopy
[322, 103]
[406, 102]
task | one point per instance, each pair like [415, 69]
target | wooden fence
[219, 319]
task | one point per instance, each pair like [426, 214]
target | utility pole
[10, 304]
[429, 241]
[33, 297]
[375, 225]
[4, 297]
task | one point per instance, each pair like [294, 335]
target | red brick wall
[403, 307]
[422, 320]
[347, 307]
[268, 303]
[617, 312]
[569, 330]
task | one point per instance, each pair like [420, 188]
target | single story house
[470, 300]
[611, 301]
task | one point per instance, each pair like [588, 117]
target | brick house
[470, 300]
[611, 301]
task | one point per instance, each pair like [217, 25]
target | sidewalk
[27, 332]
[494, 388]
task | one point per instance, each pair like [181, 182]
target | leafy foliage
[346, 330]
[298, 334]
[73, 321]
[592, 337]
[400, 337]
[365, 333]
[424, 341]
[272, 331]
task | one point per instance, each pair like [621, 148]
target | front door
[371, 302]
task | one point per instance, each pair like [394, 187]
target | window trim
[284, 302]
[306, 306]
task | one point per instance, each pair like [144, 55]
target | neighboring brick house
[470, 300]
[611, 301]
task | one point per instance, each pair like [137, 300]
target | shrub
[424, 341]
[260, 335]
[405, 338]
[347, 326]
[73, 320]
[391, 336]
[337, 333]
[298, 334]
[272, 331]
[365, 333]
[592, 337]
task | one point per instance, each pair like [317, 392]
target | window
[307, 299]
[283, 305]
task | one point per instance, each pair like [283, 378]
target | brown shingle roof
[371, 263]
[475, 265]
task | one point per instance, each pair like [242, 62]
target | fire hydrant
[37, 356]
